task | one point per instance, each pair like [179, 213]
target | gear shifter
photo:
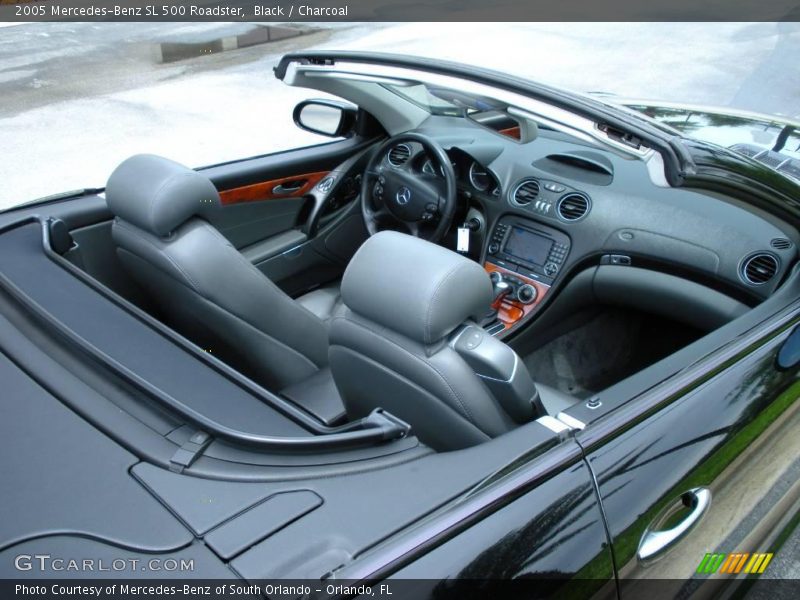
[501, 290]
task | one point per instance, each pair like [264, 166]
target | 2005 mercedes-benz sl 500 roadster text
[491, 332]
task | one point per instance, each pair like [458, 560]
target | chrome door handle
[655, 543]
[289, 187]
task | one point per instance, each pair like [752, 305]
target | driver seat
[205, 288]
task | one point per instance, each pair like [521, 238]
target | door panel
[343, 240]
[265, 205]
[294, 186]
[264, 250]
[300, 268]
[312, 159]
[249, 223]
[735, 436]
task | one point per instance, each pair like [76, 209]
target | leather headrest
[157, 194]
[414, 287]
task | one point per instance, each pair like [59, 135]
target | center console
[524, 258]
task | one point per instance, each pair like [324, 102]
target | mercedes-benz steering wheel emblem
[403, 195]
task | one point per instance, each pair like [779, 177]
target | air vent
[399, 155]
[791, 168]
[573, 207]
[747, 149]
[587, 161]
[771, 159]
[526, 192]
[781, 244]
[759, 268]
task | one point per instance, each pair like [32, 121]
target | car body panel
[733, 434]
[551, 541]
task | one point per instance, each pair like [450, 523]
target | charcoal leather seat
[202, 285]
[406, 342]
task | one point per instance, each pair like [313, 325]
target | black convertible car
[495, 338]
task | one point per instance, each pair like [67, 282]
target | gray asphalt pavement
[77, 98]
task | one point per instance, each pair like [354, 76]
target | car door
[533, 531]
[268, 200]
[699, 476]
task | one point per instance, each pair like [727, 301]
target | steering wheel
[423, 204]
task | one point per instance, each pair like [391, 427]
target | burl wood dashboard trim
[512, 311]
[264, 190]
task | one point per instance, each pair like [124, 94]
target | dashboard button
[473, 340]
[554, 187]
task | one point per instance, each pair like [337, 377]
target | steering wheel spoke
[382, 214]
[422, 229]
[375, 208]
[413, 227]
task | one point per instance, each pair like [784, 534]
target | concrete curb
[250, 35]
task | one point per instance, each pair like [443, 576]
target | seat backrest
[395, 346]
[203, 286]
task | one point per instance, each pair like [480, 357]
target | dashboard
[554, 204]
[471, 174]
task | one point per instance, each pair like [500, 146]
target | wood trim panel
[512, 311]
[258, 192]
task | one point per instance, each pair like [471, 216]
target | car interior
[453, 265]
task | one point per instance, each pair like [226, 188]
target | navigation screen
[528, 246]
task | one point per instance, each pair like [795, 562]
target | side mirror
[326, 117]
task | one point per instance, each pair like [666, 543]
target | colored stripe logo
[734, 563]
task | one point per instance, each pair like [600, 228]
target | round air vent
[781, 244]
[759, 268]
[573, 207]
[399, 155]
[525, 193]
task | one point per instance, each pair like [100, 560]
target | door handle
[290, 187]
[656, 542]
[789, 353]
